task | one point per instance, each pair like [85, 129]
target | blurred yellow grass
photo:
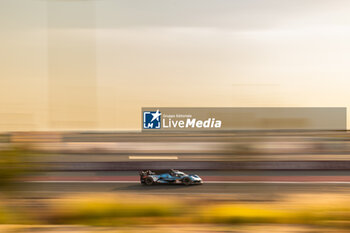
[130, 209]
[242, 213]
[103, 209]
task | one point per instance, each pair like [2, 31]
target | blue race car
[168, 177]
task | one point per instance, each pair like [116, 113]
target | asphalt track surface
[207, 176]
[251, 185]
[244, 190]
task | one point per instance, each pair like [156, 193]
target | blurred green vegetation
[16, 163]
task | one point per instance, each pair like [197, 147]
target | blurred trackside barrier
[196, 165]
[250, 143]
[255, 150]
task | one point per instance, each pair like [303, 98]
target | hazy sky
[93, 64]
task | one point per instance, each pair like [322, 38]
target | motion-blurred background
[75, 74]
[92, 64]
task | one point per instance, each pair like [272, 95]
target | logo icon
[151, 120]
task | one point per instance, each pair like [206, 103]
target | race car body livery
[168, 177]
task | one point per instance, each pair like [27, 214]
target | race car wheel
[186, 181]
[149, 181]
